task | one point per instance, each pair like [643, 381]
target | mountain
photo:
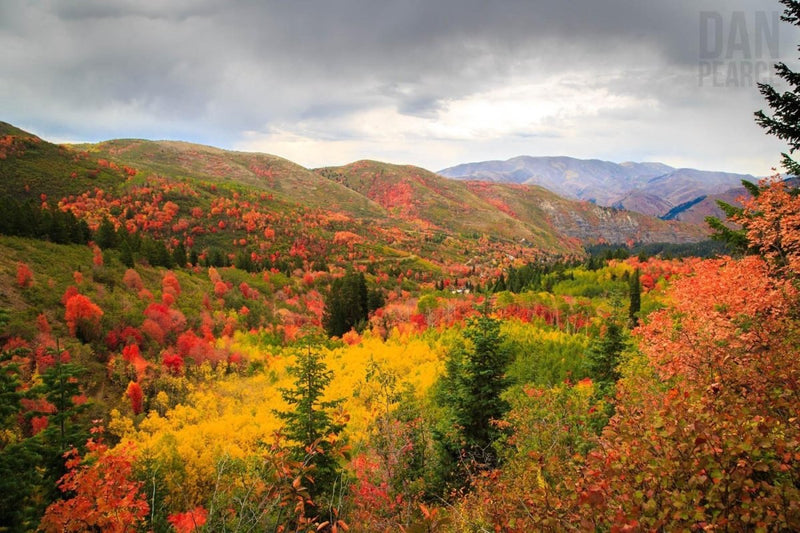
[650, 188]
[282, 214]
[526, 213]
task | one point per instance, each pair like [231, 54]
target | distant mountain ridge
[393, 210]
[651, 188]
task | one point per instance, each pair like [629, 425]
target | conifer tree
[309, 422]
[347, 305]
[604, 354]
[472, 389]
[106, 235]
[785, 120]
[635, 293]
[179, 256]
[784, 124]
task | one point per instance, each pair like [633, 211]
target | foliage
[551, 430]
[770, 221]
[102, 494]
[192, 364]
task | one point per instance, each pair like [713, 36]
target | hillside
[279, 214]
[280, 177]
[649, 188]
[30, 167]
[523, 212]
[584, 221]
[441, 205]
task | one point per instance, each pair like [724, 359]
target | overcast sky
[427, 82]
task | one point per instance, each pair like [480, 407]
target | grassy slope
[410, 192]
[280, 177]
[32, 167]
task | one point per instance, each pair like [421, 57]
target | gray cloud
[209, 70]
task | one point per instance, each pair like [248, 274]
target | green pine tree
[471, 388]
[604, 355]
[785, 106]
[179, 256]
[635, 296]
[106, 235]
[309, 422]
[348, 304]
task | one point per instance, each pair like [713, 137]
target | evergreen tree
[106, 235]
[309, 423]
[179, 256]
[60, 385]
[734, 237]
[57, 230]
[635, 295]
[604, 355]
[244, 262]
[155, 253]
[347, 305]
[500, 284]
[784, 122]
[126, 254]
[472, 389]
[216, 258]
[30, 467]
[375, 300]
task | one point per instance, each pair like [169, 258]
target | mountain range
[651, 188]
[367, 209]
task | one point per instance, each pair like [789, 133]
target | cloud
[423, 82]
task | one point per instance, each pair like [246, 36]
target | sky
[432, 83]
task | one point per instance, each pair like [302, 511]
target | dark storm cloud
[208, 70]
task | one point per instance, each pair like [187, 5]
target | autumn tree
[102, 492]
[83, 317]
[770, 221]
[24, 275]
[703, 428]
[136, 397]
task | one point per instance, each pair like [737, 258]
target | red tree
[24, 275]
[103, 495]
[82, 316]
[134, 393]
